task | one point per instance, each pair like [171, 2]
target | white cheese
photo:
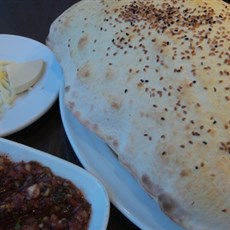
[16, 78]
[24, 75]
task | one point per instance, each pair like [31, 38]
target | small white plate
[91, 187]
[32, 104]
[124, 191]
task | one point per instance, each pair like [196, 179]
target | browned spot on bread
[166, 203]
[109, 73]
[115, 143]
[184, 173]
[77, 114]
[146, 180]
[70, 104]
[152, 188]
[114, 102]
[115, 105]
[84, 71]
[83, 42]
[140, 85]
[67, 88]
[171, 208]
[95, 127]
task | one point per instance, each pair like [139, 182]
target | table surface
[32, 18]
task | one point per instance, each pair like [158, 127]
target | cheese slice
[24, 75]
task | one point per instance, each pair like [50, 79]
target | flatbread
[152, 79]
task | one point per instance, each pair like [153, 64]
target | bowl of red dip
[41, 191]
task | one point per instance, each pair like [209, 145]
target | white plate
[91, 187]
[124, 192]
[31, 105]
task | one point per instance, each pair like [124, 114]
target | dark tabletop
[32, 18]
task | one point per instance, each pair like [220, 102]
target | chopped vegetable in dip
[32, 197]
